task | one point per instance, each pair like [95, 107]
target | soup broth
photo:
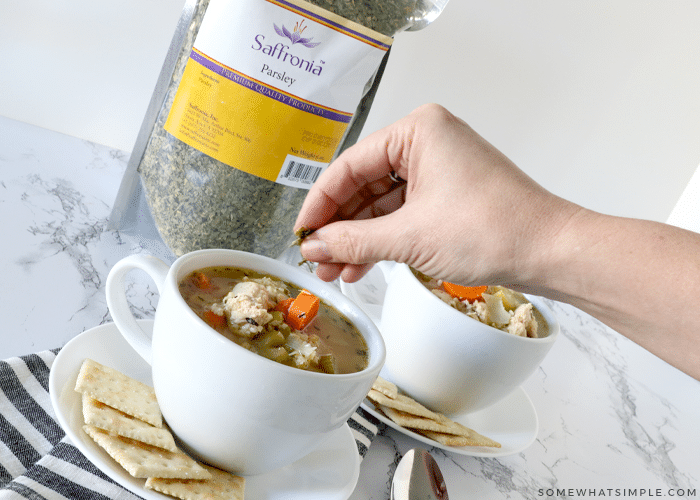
[496, 306]
[258, 312]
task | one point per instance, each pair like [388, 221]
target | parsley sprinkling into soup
[275, 319]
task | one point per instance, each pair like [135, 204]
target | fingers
[358, 242]
[463, 201]
[329, 271]
[361, 172]
[375, 206]
[349, 273]
[352, 273]
[315, 248]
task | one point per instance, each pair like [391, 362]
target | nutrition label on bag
[271, 86]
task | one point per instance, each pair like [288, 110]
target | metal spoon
[418, 477]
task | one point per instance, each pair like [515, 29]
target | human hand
[465, 213]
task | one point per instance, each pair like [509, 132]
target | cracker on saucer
[122, 424]
[119, 391]
[445, 439]
[387, 388]
[221, 485]
[439, 424]
[442, 430]
[451, 440]
[401, 403]
[142, 460]
[410, 414]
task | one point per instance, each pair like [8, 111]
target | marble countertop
[614, 420]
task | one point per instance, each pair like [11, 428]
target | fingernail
[315, 250]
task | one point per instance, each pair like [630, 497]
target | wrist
[557, 241]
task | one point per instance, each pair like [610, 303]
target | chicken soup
[496, 306]
[275, 319]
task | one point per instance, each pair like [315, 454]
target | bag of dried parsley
[254, 100]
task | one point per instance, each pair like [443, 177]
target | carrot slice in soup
[470, 293]
[202, 281]
[302, 310]
[214, 320]
[283, 306]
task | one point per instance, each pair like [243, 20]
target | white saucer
[512, 421]
[330, 473]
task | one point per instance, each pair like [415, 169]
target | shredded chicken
[246, 306]
[523, 322]
[303, 349]
[491, 311]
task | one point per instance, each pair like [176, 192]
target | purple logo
[295, 36]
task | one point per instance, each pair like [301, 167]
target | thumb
[358, 241]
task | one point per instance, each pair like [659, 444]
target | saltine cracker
[122, 424]
[222, 485]
[142, 460]
[119, 391]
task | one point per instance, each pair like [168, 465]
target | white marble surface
[613, 418]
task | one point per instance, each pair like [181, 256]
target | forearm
[467, 214]
[641, 278]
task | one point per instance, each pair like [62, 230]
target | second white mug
[451, 363]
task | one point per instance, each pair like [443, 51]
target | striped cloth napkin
[38, 462]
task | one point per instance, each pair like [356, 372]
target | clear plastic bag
[196, 201]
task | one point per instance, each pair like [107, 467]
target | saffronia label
[271, 86]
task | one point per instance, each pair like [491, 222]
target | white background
[599, 101]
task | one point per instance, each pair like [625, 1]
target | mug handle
[119, 306]
[374, 311]
[386, 266]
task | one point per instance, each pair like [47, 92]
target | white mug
[449, 362]
[228, 406]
